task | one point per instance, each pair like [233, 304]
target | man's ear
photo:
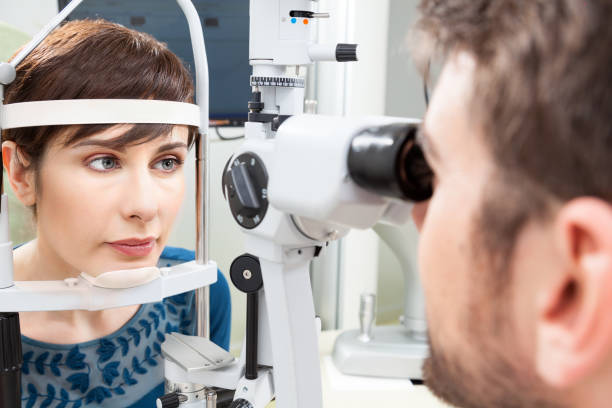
[574, 322]
[20, 177]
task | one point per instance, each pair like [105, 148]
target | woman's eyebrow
[171, 146]
[109, 144]
[112, 144]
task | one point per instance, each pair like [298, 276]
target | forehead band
[97, 111]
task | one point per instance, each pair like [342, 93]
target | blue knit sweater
[125, 368]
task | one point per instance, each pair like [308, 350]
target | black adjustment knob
[245, 273]
[11, 359]
[241, 403]
[169, 401]
[245, 186]
[255, 104]
[10, 339]
[346, 52]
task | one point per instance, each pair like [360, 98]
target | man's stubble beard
[487, 372]
[488, 369]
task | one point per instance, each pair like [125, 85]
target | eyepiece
[387, 160]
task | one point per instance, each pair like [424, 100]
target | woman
[104, 198]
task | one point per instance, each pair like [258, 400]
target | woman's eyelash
[103, 163]
[159, 164]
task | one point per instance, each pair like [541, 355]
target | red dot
[306, 21]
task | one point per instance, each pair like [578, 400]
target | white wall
[28, 16]
[404, 97]
[404, 87]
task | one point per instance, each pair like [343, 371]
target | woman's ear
[21, 178]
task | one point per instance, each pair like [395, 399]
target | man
[516, 242]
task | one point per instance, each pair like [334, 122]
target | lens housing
[387, 160]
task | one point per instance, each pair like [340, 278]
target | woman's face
[101, 209]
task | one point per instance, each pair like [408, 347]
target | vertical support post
[252, 335]
[202, 299]
[293, 334]
[202, 160]
[6, 246]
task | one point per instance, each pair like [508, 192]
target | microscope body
[296, 183]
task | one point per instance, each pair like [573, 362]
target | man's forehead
[448, 115]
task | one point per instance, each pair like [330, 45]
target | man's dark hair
[543, 96]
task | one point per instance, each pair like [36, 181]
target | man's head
[516, 242]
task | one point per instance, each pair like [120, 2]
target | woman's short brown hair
[96, 59]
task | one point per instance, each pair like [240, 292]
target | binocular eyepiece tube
[387, 160]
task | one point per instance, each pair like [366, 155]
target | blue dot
[293, 20]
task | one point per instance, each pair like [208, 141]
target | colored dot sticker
[306, 21]
[293, 20]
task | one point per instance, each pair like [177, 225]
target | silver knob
[367, 316]
[211, 399]
[7, 73]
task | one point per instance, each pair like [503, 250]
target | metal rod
[202, 161]
[203, 317]
[202, 298]
[211, 399]
[252, 324]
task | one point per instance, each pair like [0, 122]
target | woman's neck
[36, 260]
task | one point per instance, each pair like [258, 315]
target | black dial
[168, 401]
[245, 186]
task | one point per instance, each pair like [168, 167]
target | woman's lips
[134, 247]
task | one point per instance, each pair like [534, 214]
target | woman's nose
[140, 202]
[419, 211]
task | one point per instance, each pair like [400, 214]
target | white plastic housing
[6, 246]
[274, 38]
[322, 52]
[79, 294]
[309, 174]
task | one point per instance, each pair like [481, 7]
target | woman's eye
[104, 163]
[168, 164]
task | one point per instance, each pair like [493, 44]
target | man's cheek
[419, 211]
[427, 264]
[439, 265]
